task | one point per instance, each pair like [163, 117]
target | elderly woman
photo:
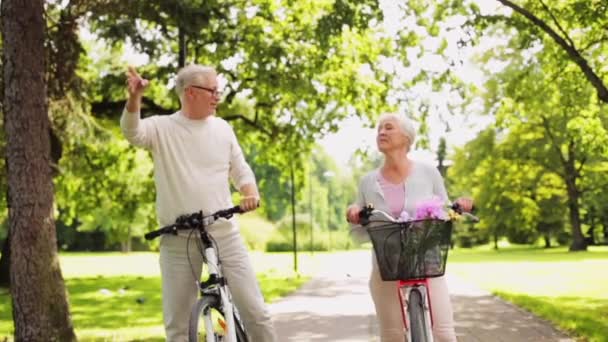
[395, 187]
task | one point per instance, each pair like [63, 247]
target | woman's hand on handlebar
[465, 204]
[352, 214]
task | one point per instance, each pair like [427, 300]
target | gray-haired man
[195, 155]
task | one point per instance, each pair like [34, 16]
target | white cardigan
[423, 183]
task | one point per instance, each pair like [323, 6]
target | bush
[279, 246]
[563, 237]
[323, 239]
[466, 235]
[282, 239]
[256, 230]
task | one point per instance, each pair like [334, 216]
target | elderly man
[195, 155]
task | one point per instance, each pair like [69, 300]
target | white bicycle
[214, 318]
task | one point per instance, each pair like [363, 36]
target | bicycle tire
[203, 307]
[415, 309]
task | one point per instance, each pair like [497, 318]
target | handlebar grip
[156, 233]
[365, 214]
[152, 235]
[228, 212]
[237, 209]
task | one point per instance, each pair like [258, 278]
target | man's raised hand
[135, 83]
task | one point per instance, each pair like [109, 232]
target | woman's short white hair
[189, 75]
[405, 124]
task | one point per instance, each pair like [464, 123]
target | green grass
[568, 289]
[117, 297]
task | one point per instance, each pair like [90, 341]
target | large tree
[546, 82]
[40, 307]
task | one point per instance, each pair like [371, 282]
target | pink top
[394, 195]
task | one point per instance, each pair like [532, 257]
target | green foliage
[296, 65]
[107, 185]
[293, 71]
[282, 239]
[550, 133]
[519, 199]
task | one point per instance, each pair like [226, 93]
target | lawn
[116, 297]
[569, 289]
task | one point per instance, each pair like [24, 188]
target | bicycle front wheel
[418, 326]
[207, 322]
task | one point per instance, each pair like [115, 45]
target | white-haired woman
[397, 186]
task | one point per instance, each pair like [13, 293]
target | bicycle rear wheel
[415, 308]
[207, 319]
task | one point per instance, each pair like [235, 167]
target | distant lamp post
[312, 217]
[328, 175]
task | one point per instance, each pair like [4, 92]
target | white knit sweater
[193, 162]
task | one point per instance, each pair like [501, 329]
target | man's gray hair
[405, 124]
[189, 75]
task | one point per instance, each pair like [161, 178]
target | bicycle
[215, 294]
[410, 253]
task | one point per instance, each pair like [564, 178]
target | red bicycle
[411, 252]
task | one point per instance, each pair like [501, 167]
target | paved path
[335, 306]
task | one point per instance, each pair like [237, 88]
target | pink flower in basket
[431, 209]
[404, 217]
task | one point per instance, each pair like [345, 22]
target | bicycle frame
[216, 284]
[404, 288]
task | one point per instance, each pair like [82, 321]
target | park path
[335, 306]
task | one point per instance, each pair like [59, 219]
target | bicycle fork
[405, 289]
[225, 297]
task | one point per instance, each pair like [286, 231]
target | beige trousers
[180, 292]
[388, 310]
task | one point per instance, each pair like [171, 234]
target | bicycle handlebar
[193, 221]
[367, 211]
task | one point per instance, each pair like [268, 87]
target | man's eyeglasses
[213, 92]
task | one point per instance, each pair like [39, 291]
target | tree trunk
[547, 238]
[578, 240]
[125, 246]
[40, 308]
[605, 225]
[182, 52]
[293, 220]
[5, 263]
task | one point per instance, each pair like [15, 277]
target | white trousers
[388, 310]
[180, 292]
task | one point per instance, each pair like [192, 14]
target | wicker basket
[411, 250]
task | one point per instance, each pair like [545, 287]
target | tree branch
[114, 108]
[592, 77]
[603, 39]
[559, 27]
[249, 122]
[554, 143]
[580, 168]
